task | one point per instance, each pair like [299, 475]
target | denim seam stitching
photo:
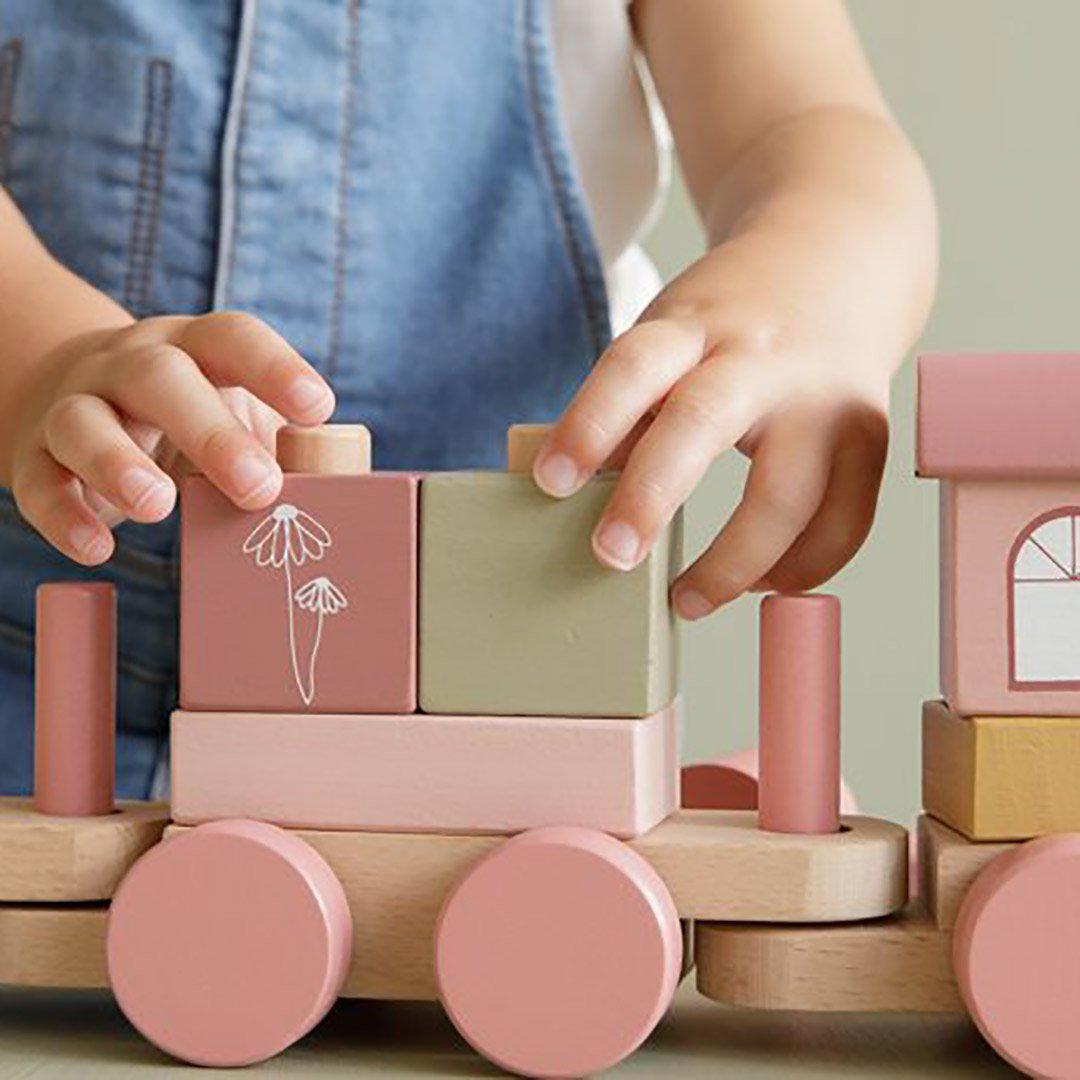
[10, 65]
[231, 137]
[150, 186]
[341, 208]
[556, 168]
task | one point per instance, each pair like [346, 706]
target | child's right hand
[101, 412]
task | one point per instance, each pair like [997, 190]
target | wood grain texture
[523, 442]
[948, 864]
[719, 865]
[45, 858]
[328, 450]
[1001, 777]
[898, 964]
[715, 863]
[57, 945]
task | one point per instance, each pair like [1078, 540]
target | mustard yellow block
[1001, 777]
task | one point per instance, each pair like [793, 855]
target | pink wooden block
[731, 783]
[75, 699]
[998, 415]
[1015, 949]
[558, 953]
[228, 943]
[799, 724]
[426, 773]
[308, 605]
[1010, 597]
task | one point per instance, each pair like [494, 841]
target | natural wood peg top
[329, 450]
[523, 442]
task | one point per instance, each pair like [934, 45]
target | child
[391, 187]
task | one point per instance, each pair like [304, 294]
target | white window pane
[1046, 631]
[1055, 537]
[1032, 563]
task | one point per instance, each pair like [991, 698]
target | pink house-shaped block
[1002, 433]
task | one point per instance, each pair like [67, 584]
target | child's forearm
[42, 305]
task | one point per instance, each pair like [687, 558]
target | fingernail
[251, 474]
[307, 394]
[618, 544]
[691, 605]
[557, 474]
[140, 487]
[89, 542]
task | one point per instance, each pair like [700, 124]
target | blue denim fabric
[387, 182]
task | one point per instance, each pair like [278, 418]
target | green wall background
[989, 91]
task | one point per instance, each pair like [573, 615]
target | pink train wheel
[1016, 950]
[228, 943]
[558, 953]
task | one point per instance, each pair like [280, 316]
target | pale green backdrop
[989, 91]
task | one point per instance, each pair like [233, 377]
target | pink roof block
[999, 415]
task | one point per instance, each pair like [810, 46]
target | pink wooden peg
[799, 714]
[75, 699]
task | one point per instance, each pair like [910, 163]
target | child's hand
[782, 339]
[102, 411]
[689, 382]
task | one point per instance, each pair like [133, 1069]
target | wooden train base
[716, 865]
[777, 921]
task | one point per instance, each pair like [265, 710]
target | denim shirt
[386, 182]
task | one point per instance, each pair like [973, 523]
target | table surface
[49, 1034]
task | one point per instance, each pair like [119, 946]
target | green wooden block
[517, 617]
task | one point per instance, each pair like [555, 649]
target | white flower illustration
[289, 537]
[321, 595]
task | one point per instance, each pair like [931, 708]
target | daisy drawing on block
[291, 537]
[322, 597]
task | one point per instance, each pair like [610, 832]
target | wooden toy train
[515, 848]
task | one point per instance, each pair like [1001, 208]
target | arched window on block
[1044, 602]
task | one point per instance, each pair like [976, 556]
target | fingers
[635, 372]
[236, 349]
[843, 521]
[784, 488]
[85, 436]
[50, 498]
[705, 414]
[162, 385]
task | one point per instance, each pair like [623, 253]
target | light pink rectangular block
[307, 605]
[998, 415]
[453, 774]
[1010, 597]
